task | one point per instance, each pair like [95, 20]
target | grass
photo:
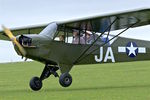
[119, 81]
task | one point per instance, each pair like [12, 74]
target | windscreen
[49, 31]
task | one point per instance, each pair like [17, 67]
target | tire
[65, 80]
[35, 83]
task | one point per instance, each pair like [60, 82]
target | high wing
[138, 17]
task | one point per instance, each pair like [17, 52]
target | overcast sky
[16, 13]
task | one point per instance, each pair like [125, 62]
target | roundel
[131, 49]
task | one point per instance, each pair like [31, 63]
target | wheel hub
[67, 80]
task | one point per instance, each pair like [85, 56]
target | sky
[18, 13]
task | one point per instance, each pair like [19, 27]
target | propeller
[14, 40]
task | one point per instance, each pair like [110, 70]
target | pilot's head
[75, 32]
[61, 38]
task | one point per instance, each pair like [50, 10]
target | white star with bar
[132, 49]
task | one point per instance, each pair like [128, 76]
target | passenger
[88, 37]
[77, 38]
[62, 38]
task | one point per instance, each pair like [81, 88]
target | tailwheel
[65, 79]
[35, 83]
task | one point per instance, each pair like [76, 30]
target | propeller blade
[14, 40]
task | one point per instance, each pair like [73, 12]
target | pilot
[77, 39]
[62, 38]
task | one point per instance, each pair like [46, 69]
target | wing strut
[81, 57]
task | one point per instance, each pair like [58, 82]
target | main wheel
[35, 83]
[65, 79]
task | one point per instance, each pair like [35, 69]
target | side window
[75, 36]
[64, 36]
[72, 36]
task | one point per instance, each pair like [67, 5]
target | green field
[119, 81]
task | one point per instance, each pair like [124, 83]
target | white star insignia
[132, 49]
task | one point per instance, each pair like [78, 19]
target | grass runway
[119, 81]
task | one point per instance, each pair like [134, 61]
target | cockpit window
[74, 36]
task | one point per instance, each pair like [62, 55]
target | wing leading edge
[24, 30]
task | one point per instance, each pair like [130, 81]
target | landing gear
[36, 82]
[65, 79]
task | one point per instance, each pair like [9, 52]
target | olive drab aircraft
[61, 45]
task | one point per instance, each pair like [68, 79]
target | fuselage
[55, 52]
